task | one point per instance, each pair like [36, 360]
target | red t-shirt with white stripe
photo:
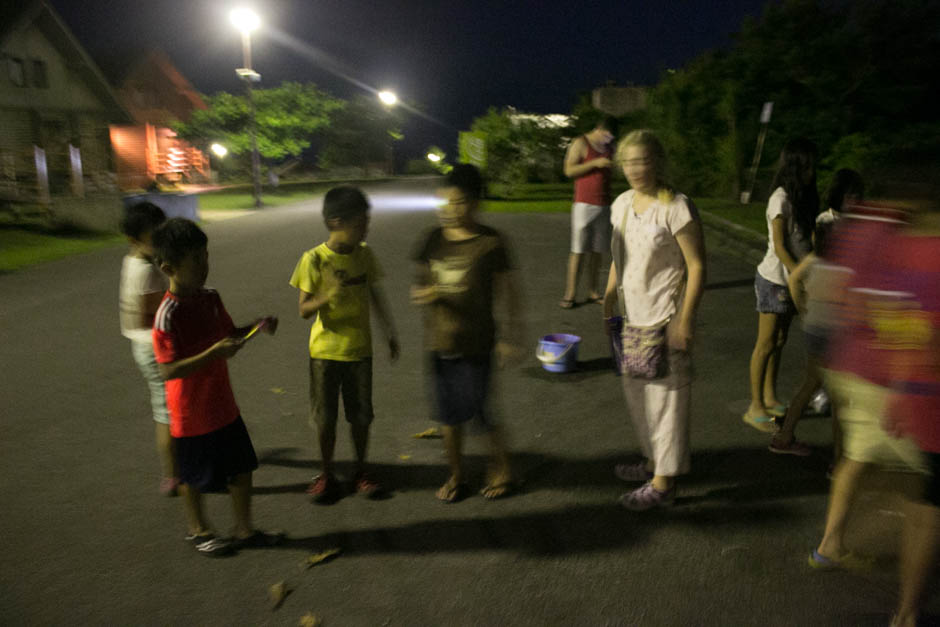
[184, 326]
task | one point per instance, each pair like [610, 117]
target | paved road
[86, 540]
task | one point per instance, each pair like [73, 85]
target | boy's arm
[576, 152]
[692, 245]
[385, 319]
[423, 291]
[795, 282]
[508, 346]
[223, 349]
[309, 304]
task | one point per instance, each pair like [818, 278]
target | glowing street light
[434, 157]
[219, 150]
[388, 98]
[246, 21]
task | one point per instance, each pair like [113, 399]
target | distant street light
[388, 98]
[219, 150]
[246, 21]
[434, 157]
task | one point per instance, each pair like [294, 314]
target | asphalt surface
[87, 540]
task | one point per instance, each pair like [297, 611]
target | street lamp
[433, 157]
[246, 21]
[388, 98]
[219, 150]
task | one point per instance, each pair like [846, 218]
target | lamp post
[389, 99]
[246, 21]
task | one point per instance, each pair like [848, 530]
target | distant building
[156, 94]
[618, 101]
[55, 107]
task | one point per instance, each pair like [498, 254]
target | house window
[40, 78]
[16, 71]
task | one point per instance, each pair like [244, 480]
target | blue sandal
[763, 423]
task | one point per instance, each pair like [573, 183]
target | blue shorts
[771, 297]
[209, 462]
[462, 387]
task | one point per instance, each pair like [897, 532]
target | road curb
[749, 246]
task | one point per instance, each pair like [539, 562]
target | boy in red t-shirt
[193, 336]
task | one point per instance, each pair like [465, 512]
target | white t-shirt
[138, 277]
[771, 268]
[653, 273]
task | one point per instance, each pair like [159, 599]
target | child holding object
[193, 337]
[658, 274]
[338, 285]
[464, 273]
[142, 289]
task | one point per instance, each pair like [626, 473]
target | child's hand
[329, 289]
[423, 295]
[679, 336]
[227, 347]
[393, 349]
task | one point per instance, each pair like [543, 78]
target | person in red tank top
[588, 163]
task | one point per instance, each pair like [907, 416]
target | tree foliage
[361, 132]
[288, 118]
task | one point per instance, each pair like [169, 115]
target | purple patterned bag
[643, 353]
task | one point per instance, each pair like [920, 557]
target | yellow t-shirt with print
[341, 331]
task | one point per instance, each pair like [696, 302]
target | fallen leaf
[310, 620]
[427, 434]
[278, 390]
[319, 558]
[277, 593]
[404, 457]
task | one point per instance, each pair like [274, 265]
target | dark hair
[141, 218]
[466, 178]
[609, 123]
[343, 203]
[176, 238]
[844, 182]
[821, 237]
[797, 163]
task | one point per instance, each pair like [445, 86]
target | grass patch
[24, 245]
[750, 216]
[240, 196]
[527, 206]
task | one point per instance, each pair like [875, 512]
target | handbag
[639, 352]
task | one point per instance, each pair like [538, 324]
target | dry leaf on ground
[428, 433]
[404, 458]
[278, 390]
[277, 593]
[310, 620]
[319, 558]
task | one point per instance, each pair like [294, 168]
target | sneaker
[169, 486]
[633, 472]
[210, 545]
[795, 447]
[366, 486]
[647, 497]
[323, 489]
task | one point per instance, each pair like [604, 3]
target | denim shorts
[771, 297]
[462, 389]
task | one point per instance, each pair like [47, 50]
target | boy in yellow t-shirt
[338, 284]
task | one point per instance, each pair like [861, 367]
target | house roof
[156, 65]
[38, 13]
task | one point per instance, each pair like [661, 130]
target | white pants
[590, 228]
[660, 412]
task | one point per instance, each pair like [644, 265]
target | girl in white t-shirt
[658, 237]
[791, 216]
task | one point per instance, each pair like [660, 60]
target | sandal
[567, 303]
[763, 423]
[452, 492]
[779, 410]
[849, 561]
[210, 546]
[496, 491]
[259, 540]
[647, 497]
[795, 447]
[595, 300]
[632, 472]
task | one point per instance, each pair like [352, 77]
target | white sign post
[42, 174]
[765, 114]
[78, 184]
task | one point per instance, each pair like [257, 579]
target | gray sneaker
[647, 497]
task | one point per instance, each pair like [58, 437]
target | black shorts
[462, 388]
[932, 487]
[210, 461]
[330, 378]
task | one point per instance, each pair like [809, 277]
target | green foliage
[519, 149]
[360, 133]
[288, 118]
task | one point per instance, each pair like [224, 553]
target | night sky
[452, 59]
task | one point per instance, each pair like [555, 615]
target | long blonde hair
[654, 148]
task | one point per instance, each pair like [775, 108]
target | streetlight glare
[245, 19]
[388, 97]
[434, 157]
[219, 150]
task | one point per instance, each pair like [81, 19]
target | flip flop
[763, 423]
[595, 300]
[566, 303]
[496, 491]
[779, 410]
[849, 561]
[455, 494]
